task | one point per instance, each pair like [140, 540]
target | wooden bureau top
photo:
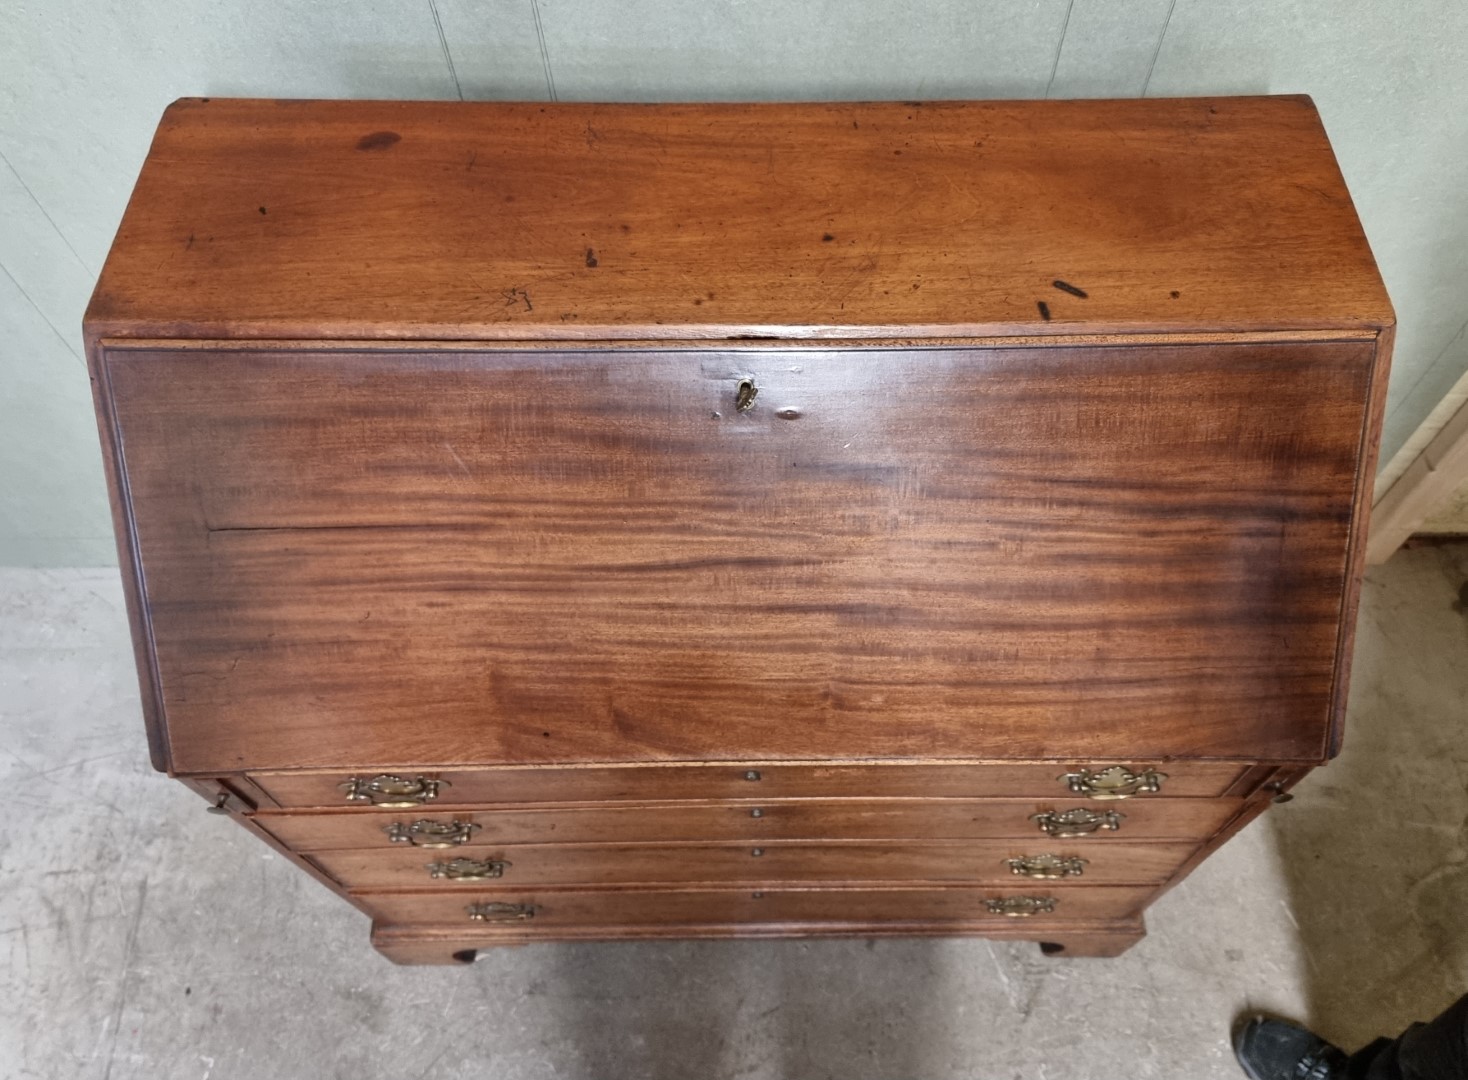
[1075, 468]
[356, 219]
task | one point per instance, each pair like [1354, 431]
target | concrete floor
[141, 937]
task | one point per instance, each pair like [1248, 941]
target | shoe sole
[1238, 1043]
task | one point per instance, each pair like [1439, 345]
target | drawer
[780, 819]
[733, 781]
[953, 861]
[539, 910]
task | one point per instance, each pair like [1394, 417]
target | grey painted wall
[82, 83]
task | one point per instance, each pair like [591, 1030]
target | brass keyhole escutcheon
[746, 393]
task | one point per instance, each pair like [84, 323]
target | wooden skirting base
[452, 945]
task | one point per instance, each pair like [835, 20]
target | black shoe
[1275, 1050]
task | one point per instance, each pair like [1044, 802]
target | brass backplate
[1114, 782]
[427, 833]
[391, 790]
[1020, 907]
[499, 911]
[1078, 822]
[1047, 867]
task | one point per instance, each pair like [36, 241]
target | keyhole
[745, 395]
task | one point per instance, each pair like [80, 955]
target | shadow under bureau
[630, 521]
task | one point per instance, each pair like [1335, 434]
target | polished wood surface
[787, 819]
[375, 556]
[560, 910]
[676, 483]
[449, 945]
[488, 220]
[756, 780]
[455, 945]
[773, 861]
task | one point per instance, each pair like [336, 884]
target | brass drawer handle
[1047, 867]
[1078, 822]
[499, 911]
[427, 833]
[1114, 782]
[467, 869]
[388, 790]
[1021, 907]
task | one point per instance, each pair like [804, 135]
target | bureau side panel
[371, 557]
[1371, 422]
[129, 558]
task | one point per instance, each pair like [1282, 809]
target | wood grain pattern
[754, 780]
[495, 556]
[790, 819]
[775, 862]
[1371, 427]
[453, 945]
[488, 220]
[428, 453]
[674, 910]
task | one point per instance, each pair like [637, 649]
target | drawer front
[472, 828]
[538, 910]
[546, 556]
[987, 862]
[737, 781]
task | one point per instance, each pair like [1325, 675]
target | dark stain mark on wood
[262, 209]
[591, 257]
[190, 244]
[378, 140]
[1044, 309]
[826, 238]
[1174, 294]
[1067, 287]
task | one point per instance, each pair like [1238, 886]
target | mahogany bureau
[626, 521]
